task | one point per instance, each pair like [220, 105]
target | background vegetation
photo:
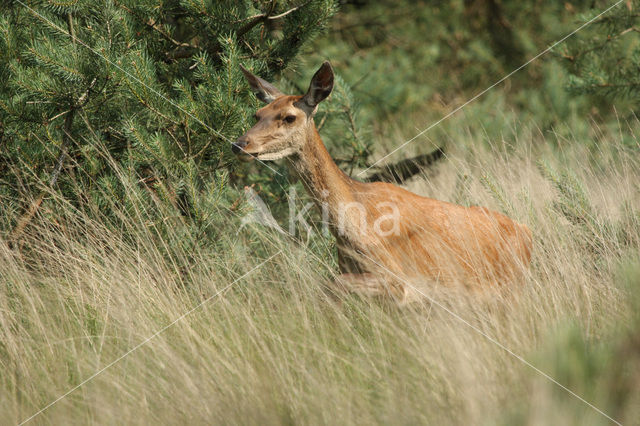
[120, 208]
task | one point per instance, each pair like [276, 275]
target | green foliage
[410, 63]
[604, 58]
[402, 55]
[152, 87]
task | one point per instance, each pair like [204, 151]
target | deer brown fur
[389, 239]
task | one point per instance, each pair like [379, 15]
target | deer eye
[290, 119]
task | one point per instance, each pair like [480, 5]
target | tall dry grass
[275, 348]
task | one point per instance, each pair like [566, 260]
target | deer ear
[263, 90]
[320, 87]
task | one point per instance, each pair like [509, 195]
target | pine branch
[182, 50]
[266, 16]
[27, 217]
[614, 18]
[185, 50]
[600, 46]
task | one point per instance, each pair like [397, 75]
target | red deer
[387, 236]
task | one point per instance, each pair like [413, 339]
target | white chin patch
[270, 156]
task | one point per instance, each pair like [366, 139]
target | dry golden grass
[274, 348]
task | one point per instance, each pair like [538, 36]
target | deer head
[282, 125]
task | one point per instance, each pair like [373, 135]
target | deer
[387, 237]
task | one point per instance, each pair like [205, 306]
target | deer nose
[238, 146]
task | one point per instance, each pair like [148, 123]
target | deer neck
[320, 175]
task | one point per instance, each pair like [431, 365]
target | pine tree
[150, 86]
[604, 58]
